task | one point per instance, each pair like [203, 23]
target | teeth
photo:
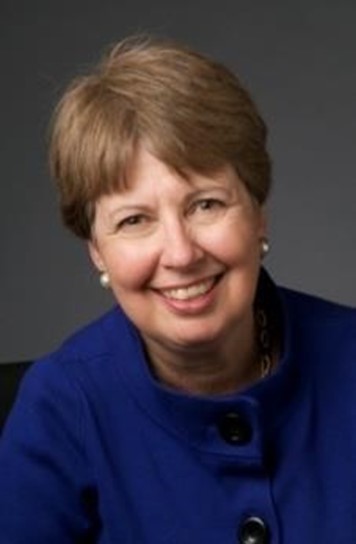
[185, 293]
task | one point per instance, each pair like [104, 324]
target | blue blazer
[96, 451]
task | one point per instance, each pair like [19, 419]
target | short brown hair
[192, 112]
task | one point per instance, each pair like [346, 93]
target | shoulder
[80, 372]
[317, 309]
[307, 316]
[80, 360]
[93, 339]
[326, 329]
[102, 338]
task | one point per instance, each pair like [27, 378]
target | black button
[234, 429]
[253, 531]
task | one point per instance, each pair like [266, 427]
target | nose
[180, 248]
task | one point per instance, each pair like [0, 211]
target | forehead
[147, 170]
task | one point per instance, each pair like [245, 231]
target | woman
[209, 405]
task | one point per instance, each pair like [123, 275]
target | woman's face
[183, 257]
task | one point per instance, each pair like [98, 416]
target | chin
[194, 338]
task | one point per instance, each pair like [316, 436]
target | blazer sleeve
[46, 493]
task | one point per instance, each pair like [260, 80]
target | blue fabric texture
[96, 451]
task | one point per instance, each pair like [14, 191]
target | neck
[225, 367]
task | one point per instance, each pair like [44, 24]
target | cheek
[131, 267]
[236, 243]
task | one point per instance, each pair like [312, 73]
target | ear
[95, 256]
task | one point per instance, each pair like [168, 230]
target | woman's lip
[194, 305]
[189, 291]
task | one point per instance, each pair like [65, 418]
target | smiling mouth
[191, 291]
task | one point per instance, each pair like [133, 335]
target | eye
[208, 205]
[132, 222]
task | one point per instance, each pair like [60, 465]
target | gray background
[298, 58]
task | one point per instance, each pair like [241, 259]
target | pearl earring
[265, 247]
[104, 280]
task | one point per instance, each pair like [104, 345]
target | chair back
[10, 377]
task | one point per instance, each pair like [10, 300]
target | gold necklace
[264, 343]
